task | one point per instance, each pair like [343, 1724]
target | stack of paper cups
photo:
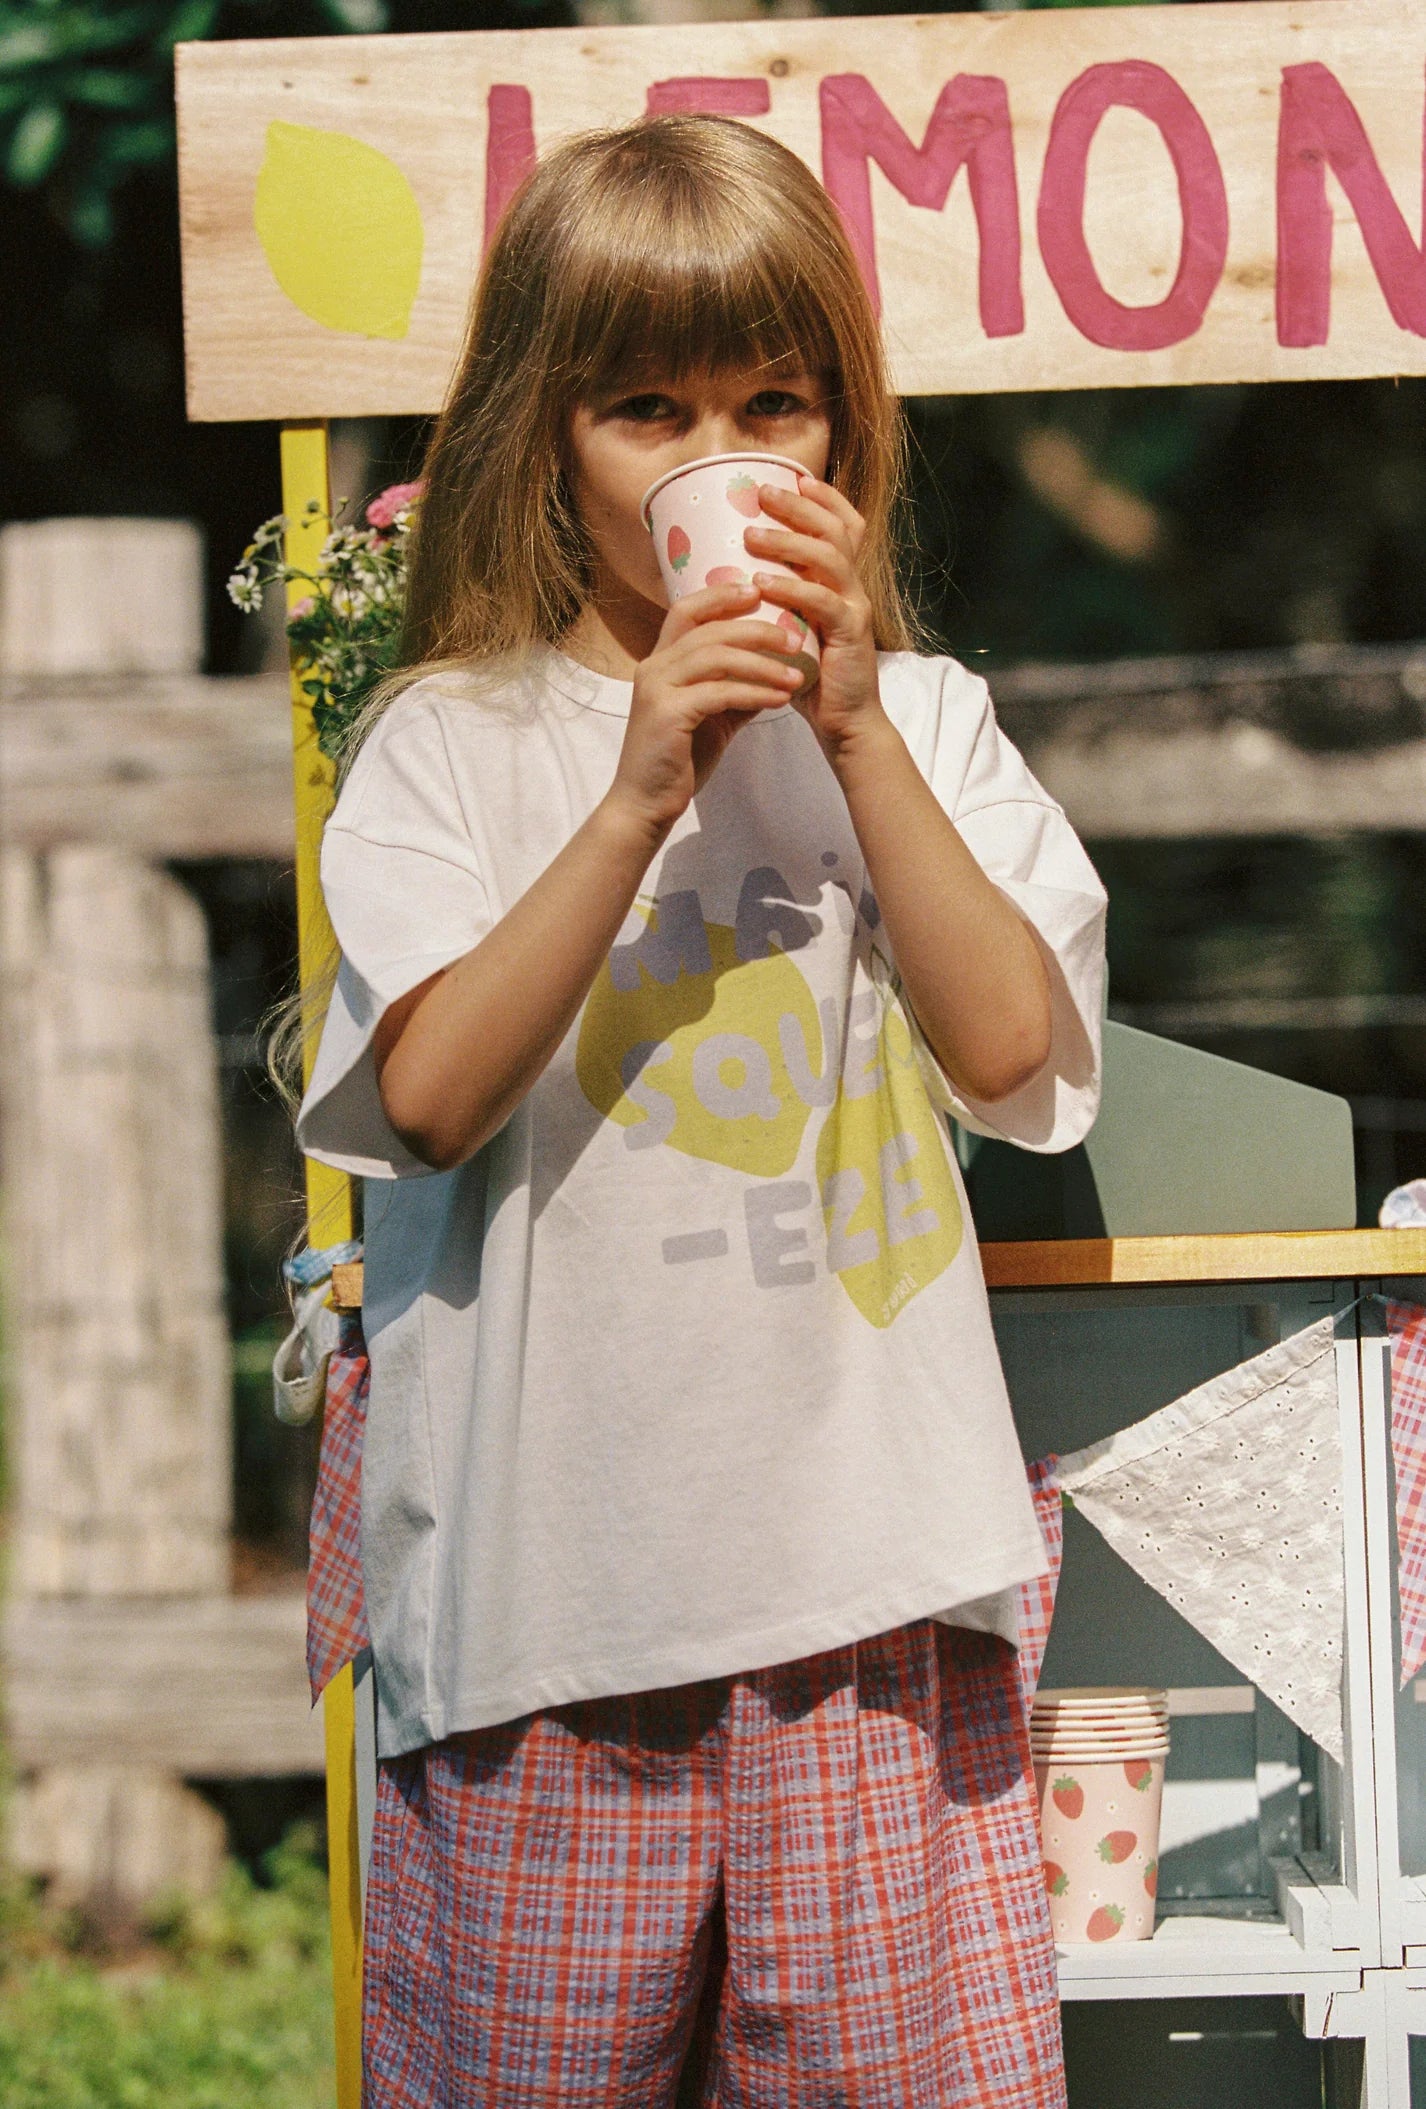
[1099, 1755]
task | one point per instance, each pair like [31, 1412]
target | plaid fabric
[1035, 1601]
[336, 1603]
[1406, 1323]
[817, 1884]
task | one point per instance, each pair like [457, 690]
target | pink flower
[387, 504]
[303, 607]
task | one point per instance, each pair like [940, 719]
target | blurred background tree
[89, 97]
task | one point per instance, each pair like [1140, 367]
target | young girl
[692, 1506]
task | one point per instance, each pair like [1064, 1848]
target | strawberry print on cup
[1100, 1839]
[699, 515]
[1100, 1835]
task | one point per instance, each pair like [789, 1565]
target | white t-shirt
[690, 1370]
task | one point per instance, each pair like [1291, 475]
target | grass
[223, 2004]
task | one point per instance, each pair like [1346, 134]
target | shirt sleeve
[405, 896]
[1021, 840]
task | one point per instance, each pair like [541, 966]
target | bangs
[680, 318]
[685, 263]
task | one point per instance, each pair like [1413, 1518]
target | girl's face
[620, 443]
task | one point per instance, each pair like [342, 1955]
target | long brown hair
[678, 244]
[673, 246]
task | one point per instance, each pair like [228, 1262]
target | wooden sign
[1113, 197]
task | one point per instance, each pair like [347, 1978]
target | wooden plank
[1360, 1839]
[1307, 741]
[307, 502]
[1285, 1255]
[111, 1839]
[344, 1862]
[164, 766]
[1203, 1958]
[1223, 743]
[1241, 781]
[212, 1687]
[1289, 1255]
[101, 596]
[116, 1331]
[374, 189]
[120, 1401]
[347, 1285]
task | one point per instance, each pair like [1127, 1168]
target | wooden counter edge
[1257, 1255]
[347, 1285]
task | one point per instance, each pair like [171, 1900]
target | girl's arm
[971, 970]
[455, 1055]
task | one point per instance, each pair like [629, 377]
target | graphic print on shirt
[707, 1039]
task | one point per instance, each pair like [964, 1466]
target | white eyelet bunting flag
[1229, 1503]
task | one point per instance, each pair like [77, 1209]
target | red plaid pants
[817, 1884]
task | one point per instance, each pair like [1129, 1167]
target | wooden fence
[128, 1665]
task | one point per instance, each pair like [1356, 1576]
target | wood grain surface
[369, 199]
[212, 1687]
[167, 765]
[1280, 1255]
[1320, 740]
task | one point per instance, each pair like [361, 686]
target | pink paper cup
[698, 516]
[1099, 1826]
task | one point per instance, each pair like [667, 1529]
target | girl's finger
[836, 502]
[754, 634]
[821, 559]
[710, 697]
[707, 605]
[835, 615]
[727, 663]
[800, 510]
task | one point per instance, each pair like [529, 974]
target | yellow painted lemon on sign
[892, 1214]
[341, 229]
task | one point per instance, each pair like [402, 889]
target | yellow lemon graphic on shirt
[685, 1044]
[888, 1196]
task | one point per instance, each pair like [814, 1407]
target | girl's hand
[711, 669]
[822, 535]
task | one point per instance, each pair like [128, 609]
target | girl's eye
[774, 402]
[644, 409]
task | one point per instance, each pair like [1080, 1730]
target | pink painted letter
[509, 150]
[1318, 129]
[1203, 202]
[969, 128]
[748, 97]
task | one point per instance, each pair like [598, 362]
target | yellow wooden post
[305, 483]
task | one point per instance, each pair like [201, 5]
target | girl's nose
[718, 432]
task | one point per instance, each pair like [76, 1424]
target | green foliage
[227, 2006]
[86, 90]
